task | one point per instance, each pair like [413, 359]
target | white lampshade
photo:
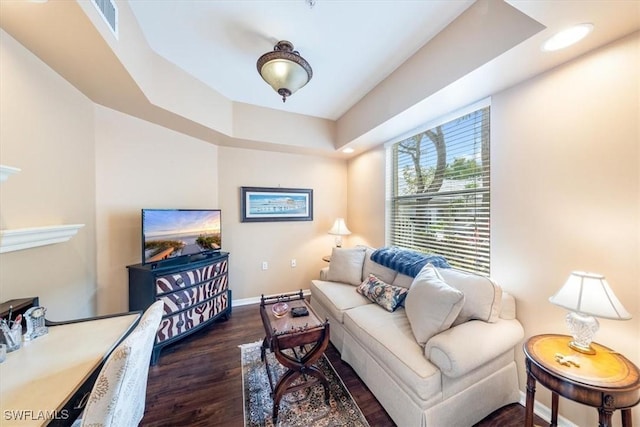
[339, 228]
[586, 295]
[589, 293]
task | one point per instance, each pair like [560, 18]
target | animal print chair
[118, 395]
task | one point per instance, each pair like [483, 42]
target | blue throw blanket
[406, 261]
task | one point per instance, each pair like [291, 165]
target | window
[438, 191]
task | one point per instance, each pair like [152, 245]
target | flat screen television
[174, 233]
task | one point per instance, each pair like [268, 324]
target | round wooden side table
[606, 380]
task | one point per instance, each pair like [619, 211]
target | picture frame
[265, 204]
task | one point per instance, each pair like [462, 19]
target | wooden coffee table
[305, 339]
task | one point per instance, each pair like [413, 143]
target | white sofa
[459, 376]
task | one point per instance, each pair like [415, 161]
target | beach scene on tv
[169, 234]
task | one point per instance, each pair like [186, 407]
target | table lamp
[587, 295]
[339, 229]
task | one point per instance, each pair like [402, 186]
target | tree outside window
[439, 191]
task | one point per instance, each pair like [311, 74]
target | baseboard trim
[256, 300]
[544, 412]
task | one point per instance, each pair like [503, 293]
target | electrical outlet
[293, 263]
[265, 265]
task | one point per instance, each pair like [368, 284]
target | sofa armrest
[508, 311]
[465, 347]
[323, 273]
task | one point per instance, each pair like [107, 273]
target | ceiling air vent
[109, 12]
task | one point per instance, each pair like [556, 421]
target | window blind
[438, 187]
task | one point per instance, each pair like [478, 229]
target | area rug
[305, 407]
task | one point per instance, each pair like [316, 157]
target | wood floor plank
[198, 381]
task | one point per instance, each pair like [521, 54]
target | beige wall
[46, 129]
[141, 165]
[278, 242]
[84, 163]
[366, 217]
[565, 194]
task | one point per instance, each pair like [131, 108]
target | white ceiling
[381, 67]
[351, 45]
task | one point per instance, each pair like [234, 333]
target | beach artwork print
[276, 204]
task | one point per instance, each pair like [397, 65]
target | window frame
[469, 251]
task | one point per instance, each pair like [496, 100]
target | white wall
[565, 195]
[278, 242]
[142, 165]
[46, 129]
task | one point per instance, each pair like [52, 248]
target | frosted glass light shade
[284, 69]
[281, 73]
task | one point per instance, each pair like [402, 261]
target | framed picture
[260, 204]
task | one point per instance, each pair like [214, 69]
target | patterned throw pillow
[386, 296]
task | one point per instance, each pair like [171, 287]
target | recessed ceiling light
[348, 150]
[567, 37]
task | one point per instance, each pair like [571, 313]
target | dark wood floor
[198, 381]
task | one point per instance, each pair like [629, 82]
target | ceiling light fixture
[284, 69]
[348, 150]
[567, 37]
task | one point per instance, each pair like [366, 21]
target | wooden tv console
[195, 293]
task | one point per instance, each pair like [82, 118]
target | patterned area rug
[301, 408]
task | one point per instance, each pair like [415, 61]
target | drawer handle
[180, 324]
[179, 300]
[179, 281]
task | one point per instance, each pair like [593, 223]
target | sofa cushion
[383, 273]
[346, 265]
[483, 297]
[336, 297]
[403, 280]
[385, 295]
[431, 304]
[388, 339]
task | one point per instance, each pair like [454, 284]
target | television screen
[172, 233]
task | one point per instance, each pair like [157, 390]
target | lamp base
[577, 347]
[583, 328]
[338, 240]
